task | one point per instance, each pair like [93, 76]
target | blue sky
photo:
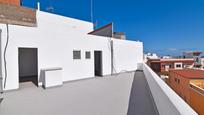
[165, 26]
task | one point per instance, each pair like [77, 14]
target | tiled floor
[123, 94]
[98, 96]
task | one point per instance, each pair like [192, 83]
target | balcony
[130, 93]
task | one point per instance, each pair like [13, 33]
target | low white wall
[167, 101]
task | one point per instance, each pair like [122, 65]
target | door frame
[101, 63]
[37, 76]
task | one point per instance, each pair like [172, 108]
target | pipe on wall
[1, 77]
[5, 49]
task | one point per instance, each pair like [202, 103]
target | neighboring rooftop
[192, 52]
[190, 73]
[108, 31]
[172, 60]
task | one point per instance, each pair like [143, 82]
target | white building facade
[62, 42]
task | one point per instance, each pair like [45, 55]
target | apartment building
[163, 65]
[189, 84]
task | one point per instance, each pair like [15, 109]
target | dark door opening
[28, 65]
[98, 63]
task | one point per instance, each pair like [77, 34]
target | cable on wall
[1, 77]
[5, 49]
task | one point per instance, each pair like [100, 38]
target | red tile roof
[190, 73]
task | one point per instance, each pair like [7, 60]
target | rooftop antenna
[50, 8]
[38, 6]
[92, 11]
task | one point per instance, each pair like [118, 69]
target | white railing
[166, 100]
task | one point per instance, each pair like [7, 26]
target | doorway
[98, 63]
[28, 65]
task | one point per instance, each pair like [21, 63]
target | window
[178, 66]
[170, 66]
[88, 54]
[163, 66]
[197, 60]
[178, 81]
[77, 54]
[175, 79]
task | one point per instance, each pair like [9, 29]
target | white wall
[126, 54]
[56, 37]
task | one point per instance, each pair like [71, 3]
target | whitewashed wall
[56, 37]
[126, 55]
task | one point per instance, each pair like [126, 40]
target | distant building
[196, 55]
[119, 35]
[202, 63]
[107, 31]
[189, 85]
[166, 57]
[163, 65]
[11, 2]
[148, 56]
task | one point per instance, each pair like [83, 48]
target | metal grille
[77, 54]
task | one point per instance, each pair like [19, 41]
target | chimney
[11, 2]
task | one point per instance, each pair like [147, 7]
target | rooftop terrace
[128, 93]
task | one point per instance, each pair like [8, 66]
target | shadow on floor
[33, 79]
[141, 101]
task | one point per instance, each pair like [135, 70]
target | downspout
[1, 77]
[5, 49]
[111, 43]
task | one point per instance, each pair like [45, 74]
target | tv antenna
[92, 11]
[50, 7]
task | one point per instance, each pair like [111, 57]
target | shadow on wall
[42, 76]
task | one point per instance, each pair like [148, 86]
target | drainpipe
[1, 77]
[112, 53]
[38, 6]
[111, 43]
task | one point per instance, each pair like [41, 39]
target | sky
[166, 27]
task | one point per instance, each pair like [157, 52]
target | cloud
[172, 49]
